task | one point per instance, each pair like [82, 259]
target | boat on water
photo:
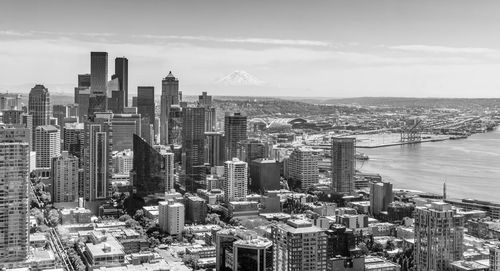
[361, 156]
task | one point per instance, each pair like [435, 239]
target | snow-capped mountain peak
[240, 78]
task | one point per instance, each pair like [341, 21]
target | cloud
[442, 49]
[287, 42]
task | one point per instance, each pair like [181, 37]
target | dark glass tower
[146, 102]
[193, 145]
[98, 100]
[343, 164]
[39, 107]
[235, 130]
[121, 72]
[169, 115]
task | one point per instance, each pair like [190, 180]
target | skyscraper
[82, 95]
[146, 102]
[84, 80]
[235, 130]
[124, 127]
[380, 197]
[193, 146]
[97, 157]
[39, 106]
[298, 245]
[73, 137]
[168, 116]
[343, 164]
[47, 145]
[153, 171]
[64, 174]
[121, 73]
[302, 168]
[438, 236]
[214, 148]
[98, 100]
[14, 185]
[235, 180]
[205, 101]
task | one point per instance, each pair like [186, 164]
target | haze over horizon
[387, 48]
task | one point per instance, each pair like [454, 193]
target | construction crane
[412, 134]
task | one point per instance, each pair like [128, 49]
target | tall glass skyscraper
[98, 101]
[14, 196]
[39, 106]
[235, 130]
[193, 146]
[343, 164]
[169, 116]
[146, 102]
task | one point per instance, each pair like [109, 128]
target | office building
[146, 102]
[119, 95]
[168, 116]
[438, 236]
[98, 145]
[60, 112]
[343, 164]
[39, 106]
[73, 137]
[14, 191]
[380, 197]
[98, 99]
[214, 148]
[196, 210]
[82, 95]
[64, 174]
[47, 145]
[84, 80]
[238, 249]
[193, 146]
[264, 175]
[251, 149]
[124, 127]
[153, 171]
[302, 167]
[171, 217]
[115, 97]
[235, 180]
[12, 116]
[298, 245]
[235, 130]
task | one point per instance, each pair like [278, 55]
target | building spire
[444, 189]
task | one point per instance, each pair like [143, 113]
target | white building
[123, 161]
[235, 180]
[171, 216]
[65, 178]
[47, 145]
[302, 167]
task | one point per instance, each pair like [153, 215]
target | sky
[303, 48]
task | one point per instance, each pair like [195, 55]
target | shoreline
[401, 143]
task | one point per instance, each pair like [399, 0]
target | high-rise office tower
[438, 236]
[98, 145]
[84, 80]
[265, 175]
[64, 174]
[73, 137]
[214, 148]
[98, 99]
[121, 73]
[124, 127]
[380, 197]
[153, 171]
[235, 180]
[298, 245]
[115, 97]
[343, 164]
[193, 146]
[168, 116]
[235, 130]
[303, 168]
[39, 106]
[171, 217]
[82, 95]
[146, 102]
[12, 116]
[14, 199]
[205, 101]
[47, 145]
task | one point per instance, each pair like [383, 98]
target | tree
[53, 217]
[377, 247]
[139, 215]
[124, 218]
[364, 249]
[212, 218]
[38, 214]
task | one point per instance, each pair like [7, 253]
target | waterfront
[471, 167]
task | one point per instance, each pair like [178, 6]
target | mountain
[240, 78]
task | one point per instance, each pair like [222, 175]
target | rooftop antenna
[444, 189]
